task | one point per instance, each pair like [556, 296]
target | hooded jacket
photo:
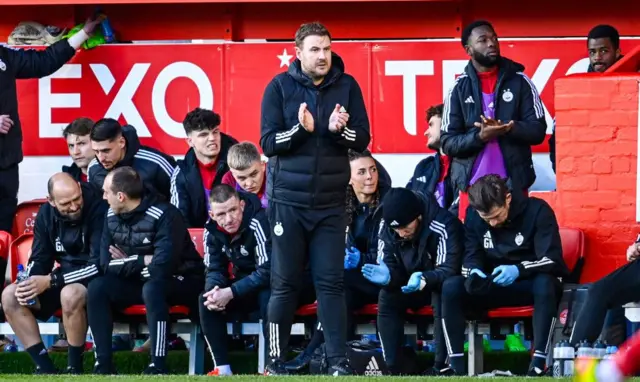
[249, 250]
[155, 167]
[436, 249]
[311, 170]
[517, 99]
[187, 190]
[425, 179]
[154, 228]
[74, 171]
[530, 239]
[75, 245]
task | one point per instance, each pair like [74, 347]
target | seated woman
[364, 193]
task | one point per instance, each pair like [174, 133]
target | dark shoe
[344, 368]
[72, 370]
[436, 372]
[104, 369]
[536, 372]
[276, 367]
[41, 372]
[298, 363]
[153, 370]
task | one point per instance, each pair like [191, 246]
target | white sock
[607, 371]
[224, 370]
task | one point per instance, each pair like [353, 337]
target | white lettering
[409, 70]
[450, 69]
[158, 94]
[48, 100]
[580, 66]
[540, 79]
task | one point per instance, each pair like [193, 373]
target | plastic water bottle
[107, 30]
[563, 359]
[599, 349]
[584, 349]
[22, 276]
[611, 350]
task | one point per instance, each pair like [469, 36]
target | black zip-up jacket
[187, 190]
[436, 250]
[155, 167]
[18, 64]
[425, 179]
[154, 228]
[75, 245]
[530, 239]
[74, 171]
[249, 250]
[362, 233]
[311, 170]
[516, 99]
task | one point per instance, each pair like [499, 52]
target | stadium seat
[20, 250]
[308, 310]
[5, 244]
[25, 217]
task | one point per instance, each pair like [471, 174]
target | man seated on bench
[246, 170]
[68, 231]
[148, 258]
[237, 233]
[421, 245]
[513, 257]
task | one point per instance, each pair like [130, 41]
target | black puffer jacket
[516, 99]
[155, 167]
[249, 251]
[311, 170]
[154, 228]
[74, 171]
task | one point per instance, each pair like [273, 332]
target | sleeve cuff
[78, 39]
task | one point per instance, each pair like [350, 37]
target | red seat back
[5, 243]
[197, 237]
[572, 246]
[20, 253]
[25, 218]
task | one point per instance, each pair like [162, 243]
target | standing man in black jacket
[77, 134]
[492, 116]
[420, 246]
[18, 64]
[147, 257]
[118, 146]
[68, 230]
[238, 233]
[513, 257]
[202, 168]
[311, 116]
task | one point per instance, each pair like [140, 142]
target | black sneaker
[341, 368]
[276, 367]
[104, 369]
[72, 370]
[153, 370]
[298, 363]
[42, 372]
[437, 372]
[536, 372]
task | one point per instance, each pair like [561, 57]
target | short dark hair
[127, 180]
[435, 111]
[200, 119]
[353, 154]
[106, 129]
[605, 31]
[488, 192]
[222, 192]
[466, 32]
[80, 126]
[310, 29]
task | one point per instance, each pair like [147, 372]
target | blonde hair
[242, 155]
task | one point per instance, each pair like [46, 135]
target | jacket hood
[517, 206]
[147, 201]
[504, 64]
[337, 69]
[133, 144]
[226, 142]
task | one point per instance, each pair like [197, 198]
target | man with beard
[431, 175]
[492, 116]
[79, 144]
[202, 168]
[311, 116]
[68, 231]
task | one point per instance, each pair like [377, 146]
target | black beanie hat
[400, 207]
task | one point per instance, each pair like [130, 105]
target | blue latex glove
[414, 283]
[351, 258]
[377, 273]
[478, 272]
[507, 274]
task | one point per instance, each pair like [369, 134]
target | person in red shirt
[246, 170]
[79, 144]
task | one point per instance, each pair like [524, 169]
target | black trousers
[392, 310]
[214, 323]
[614, 290]
[109, 294]
[9, 184]
[301, 236]
[543, 291]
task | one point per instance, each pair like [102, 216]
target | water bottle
[584, 349]
[563, 359]
[611, 350]
[107, 30]
[599, 349]
[22, 276]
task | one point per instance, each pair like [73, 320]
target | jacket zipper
[317, 139]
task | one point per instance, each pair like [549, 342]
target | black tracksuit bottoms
[214, 323]
[614, 290]
[9, 184]
[314, 236]
[109, 294]
[542, 290]
[392, 311]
